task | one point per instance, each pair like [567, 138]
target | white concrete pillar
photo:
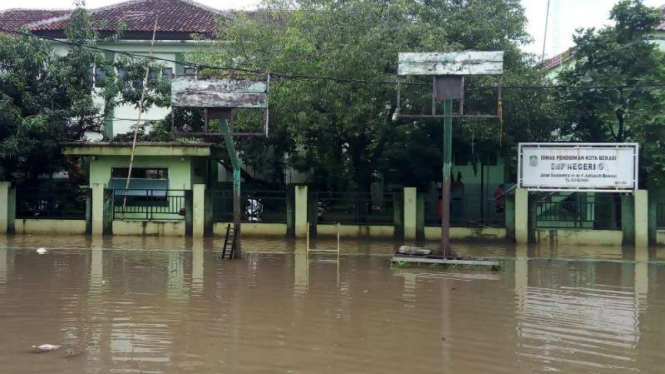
[641, 218]
[521, 216]
[410, 212]
[198, 207]
[4, 206]
[301, 211]
[98, 208]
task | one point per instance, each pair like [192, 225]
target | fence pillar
[198, 210]
[628, 219]
[4, 206]
[420, 217]
[521, 216]
[11, 213]
[301, 211]
[208, 213]
[290, 212]
[189, 212]
[641, 218]
[98, 208]
[653, 216]
[410, 212]
[510, 217]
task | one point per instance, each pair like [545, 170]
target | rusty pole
[235, 162]
[237, 210]
[445, 249]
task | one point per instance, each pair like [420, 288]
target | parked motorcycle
[253, 210]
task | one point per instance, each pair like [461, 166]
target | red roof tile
[14, 19]
[184, 16]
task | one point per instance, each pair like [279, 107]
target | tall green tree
[48, 97]
[343, 132]
[614, 91]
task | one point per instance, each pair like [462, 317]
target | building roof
[14, 19]
[559, 59]
[159, 149]
[138, 16]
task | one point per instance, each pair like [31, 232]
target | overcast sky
[565, 16]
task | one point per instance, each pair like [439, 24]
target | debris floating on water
[414, 251]
[45, 348]
[41, 250]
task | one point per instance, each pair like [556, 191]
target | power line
[289, 76]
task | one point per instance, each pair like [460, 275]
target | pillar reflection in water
[641, 277]
[197, 266]
[301, 273]
[3, 266]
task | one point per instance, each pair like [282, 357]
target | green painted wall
[180, 171]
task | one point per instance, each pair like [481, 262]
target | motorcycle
[253, 210]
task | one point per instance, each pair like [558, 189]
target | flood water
[164, 305]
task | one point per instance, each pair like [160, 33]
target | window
[190, 71]
[138, 84]
[100, 77]
[141, 173]
[167, 73]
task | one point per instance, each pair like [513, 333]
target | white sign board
[598, 167]
[450, 63]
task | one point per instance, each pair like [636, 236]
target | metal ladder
[232, 234]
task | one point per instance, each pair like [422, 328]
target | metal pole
[547, 21]
[236, 209]
[445, 186]
[235, 162]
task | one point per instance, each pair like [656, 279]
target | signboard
[450, 63]
[219, 93]
[597, 167]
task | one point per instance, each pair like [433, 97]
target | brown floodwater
[164, 305]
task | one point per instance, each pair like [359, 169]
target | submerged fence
[51, 202]
[356, 208]
[256, 206]
[469, 211]
[149, 204]
[660, 215]
[578, 210]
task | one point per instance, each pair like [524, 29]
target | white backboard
[450, 63]
[218, 93]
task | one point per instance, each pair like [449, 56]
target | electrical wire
[288, 76]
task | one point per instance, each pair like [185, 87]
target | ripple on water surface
[156, 305]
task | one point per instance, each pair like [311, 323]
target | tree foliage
[614, 90]
[48, 96]
[342, 131]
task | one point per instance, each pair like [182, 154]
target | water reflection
[152, 305]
